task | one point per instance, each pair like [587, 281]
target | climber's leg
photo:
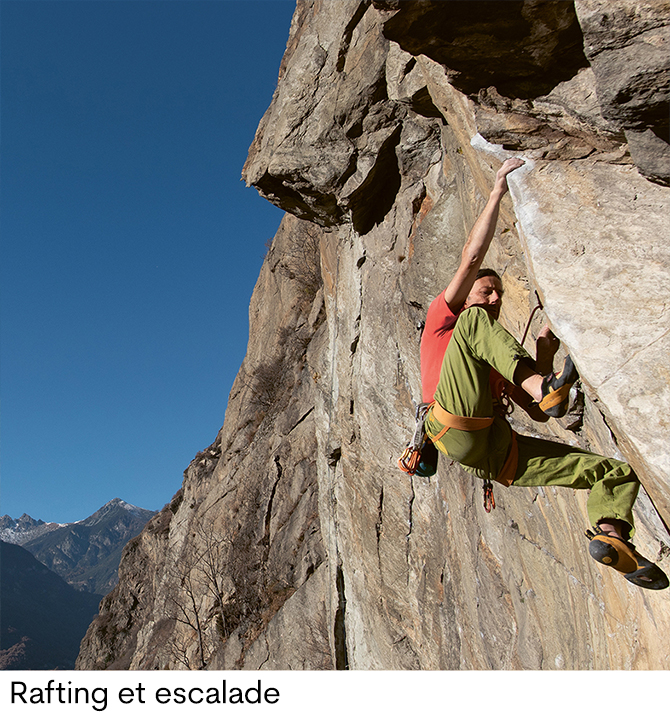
[613, 484]
[478, 343]
[614, 487]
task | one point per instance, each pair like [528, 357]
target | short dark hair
[487, 272]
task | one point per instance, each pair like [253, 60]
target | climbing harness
[459, 422]
[411, 460]
[502, 401]
[507, 472]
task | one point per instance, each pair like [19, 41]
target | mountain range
[52, 578]
[86, 553]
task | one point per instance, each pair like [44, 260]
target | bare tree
[213, 557]
[186, 611]
[302, 260]
[198, 578]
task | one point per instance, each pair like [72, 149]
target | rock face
[295, 541]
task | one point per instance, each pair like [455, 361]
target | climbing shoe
[622, 556]
[556, 390]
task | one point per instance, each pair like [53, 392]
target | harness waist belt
[459, 422]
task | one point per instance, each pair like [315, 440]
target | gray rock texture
[627, 47]
[295, 541]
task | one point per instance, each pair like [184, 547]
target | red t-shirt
[440, 324]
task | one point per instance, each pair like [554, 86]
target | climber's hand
[508, 166]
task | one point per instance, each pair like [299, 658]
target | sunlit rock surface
[381, 144]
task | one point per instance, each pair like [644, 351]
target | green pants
[478, 343]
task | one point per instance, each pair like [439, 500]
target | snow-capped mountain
[24, 528]
[85, 553]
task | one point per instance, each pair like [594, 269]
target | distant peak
[118, 502]
[113, 506]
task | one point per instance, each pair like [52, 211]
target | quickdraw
[502, 404]
[411, 457]
[489, 500]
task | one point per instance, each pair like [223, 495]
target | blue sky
[130, 246]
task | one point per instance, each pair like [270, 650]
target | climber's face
[487, 292]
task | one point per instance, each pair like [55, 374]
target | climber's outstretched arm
[479, 240]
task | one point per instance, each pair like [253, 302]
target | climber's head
[486, 292]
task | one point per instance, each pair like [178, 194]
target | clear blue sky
[130, 246]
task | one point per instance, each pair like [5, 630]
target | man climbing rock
[471, 368]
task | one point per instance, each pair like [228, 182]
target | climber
[471, 368]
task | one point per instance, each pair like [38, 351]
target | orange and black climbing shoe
[618, 553]
[556, 390]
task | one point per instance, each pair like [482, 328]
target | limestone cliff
[295, 541]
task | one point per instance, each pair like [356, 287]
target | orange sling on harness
[459, 422]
